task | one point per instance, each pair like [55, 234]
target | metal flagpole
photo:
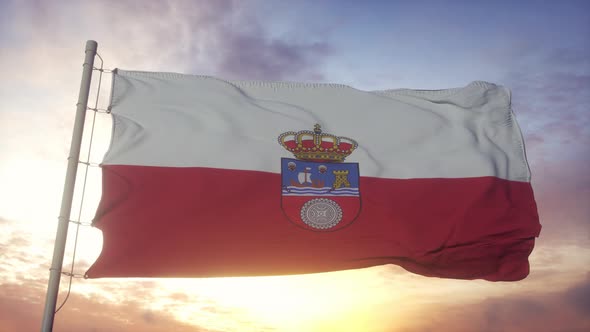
[68, 193]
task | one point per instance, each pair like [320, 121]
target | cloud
[579, 297]
[203, 37]
[14, 250]
[118, 305]
[21, 309]
[551, 311]
[254, 56]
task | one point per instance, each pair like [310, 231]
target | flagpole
[68, 193]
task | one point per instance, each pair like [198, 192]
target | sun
[336, 301]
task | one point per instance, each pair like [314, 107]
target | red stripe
[198, 222]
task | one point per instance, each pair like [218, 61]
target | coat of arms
[319, 191]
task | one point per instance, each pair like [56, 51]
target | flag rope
[87, 165]
[80, 223]
[100, 110]
[73, 275]
[102, 70]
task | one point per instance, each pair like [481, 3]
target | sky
[538, 49]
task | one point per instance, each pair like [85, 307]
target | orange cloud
[565, 310]
[21, 308]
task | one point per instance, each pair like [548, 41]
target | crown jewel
[317, 146]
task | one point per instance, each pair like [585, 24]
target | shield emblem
[320, 196]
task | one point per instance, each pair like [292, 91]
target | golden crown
[317, 146]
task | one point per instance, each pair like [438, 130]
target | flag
[206, 177]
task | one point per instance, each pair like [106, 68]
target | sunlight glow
[296, 303]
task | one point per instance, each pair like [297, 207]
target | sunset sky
[538, 49]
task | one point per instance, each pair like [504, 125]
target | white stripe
[164, 119]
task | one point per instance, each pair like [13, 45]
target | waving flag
[206, 177]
